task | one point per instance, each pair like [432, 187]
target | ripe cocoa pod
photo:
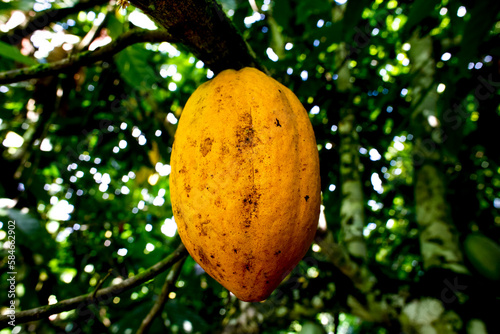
[245, 185]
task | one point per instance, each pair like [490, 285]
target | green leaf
[30, 232]
[352, 16]
[482, 20]
[178, 313]
[307, 8]
[134, 67]
[333, 34]
[115, 26]
[137, 312]
[312, 328]
[282, 13]
[25, 222]
[374, 114]
[11, 52]
[388, 126]
[419, 11]
[24, 5]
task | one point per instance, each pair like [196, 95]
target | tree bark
[439, 244]
[204, 29]
[438, 237]
[86, 58]
[157, 308]
[99, 295]
[352, 220]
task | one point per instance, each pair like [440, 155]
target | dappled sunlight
[142, 20]
[16, 18]
[169, 227]
[13, 140]
[60, 210]
[86, 154]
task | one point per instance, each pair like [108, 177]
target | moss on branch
[86, 58]
[45, 18]
[99, 295]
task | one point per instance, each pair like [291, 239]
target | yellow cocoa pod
[245, 185]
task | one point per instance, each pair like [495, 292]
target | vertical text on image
[11, 265]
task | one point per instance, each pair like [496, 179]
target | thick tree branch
[45, 18]
[85, 58]
[168, 286]
[360, 276]
[101, 295]
[204, 29]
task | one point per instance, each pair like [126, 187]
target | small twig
[93, 32]
[105, 294]
[85, 58]
[254, 6]
[100, 284]
[168, 287]
[45, 18]
[336, 322]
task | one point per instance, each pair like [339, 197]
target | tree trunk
[352, 220]
[438, 236]
[351, 210]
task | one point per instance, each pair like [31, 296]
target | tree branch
[204, 29]
[45, 18]
[361, 277]
[168, 286]
[85, 58]
[101, 295]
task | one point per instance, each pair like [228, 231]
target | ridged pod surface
[245, 185]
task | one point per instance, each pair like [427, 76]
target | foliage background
[85, 156]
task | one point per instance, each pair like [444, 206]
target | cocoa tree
[402, 97]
